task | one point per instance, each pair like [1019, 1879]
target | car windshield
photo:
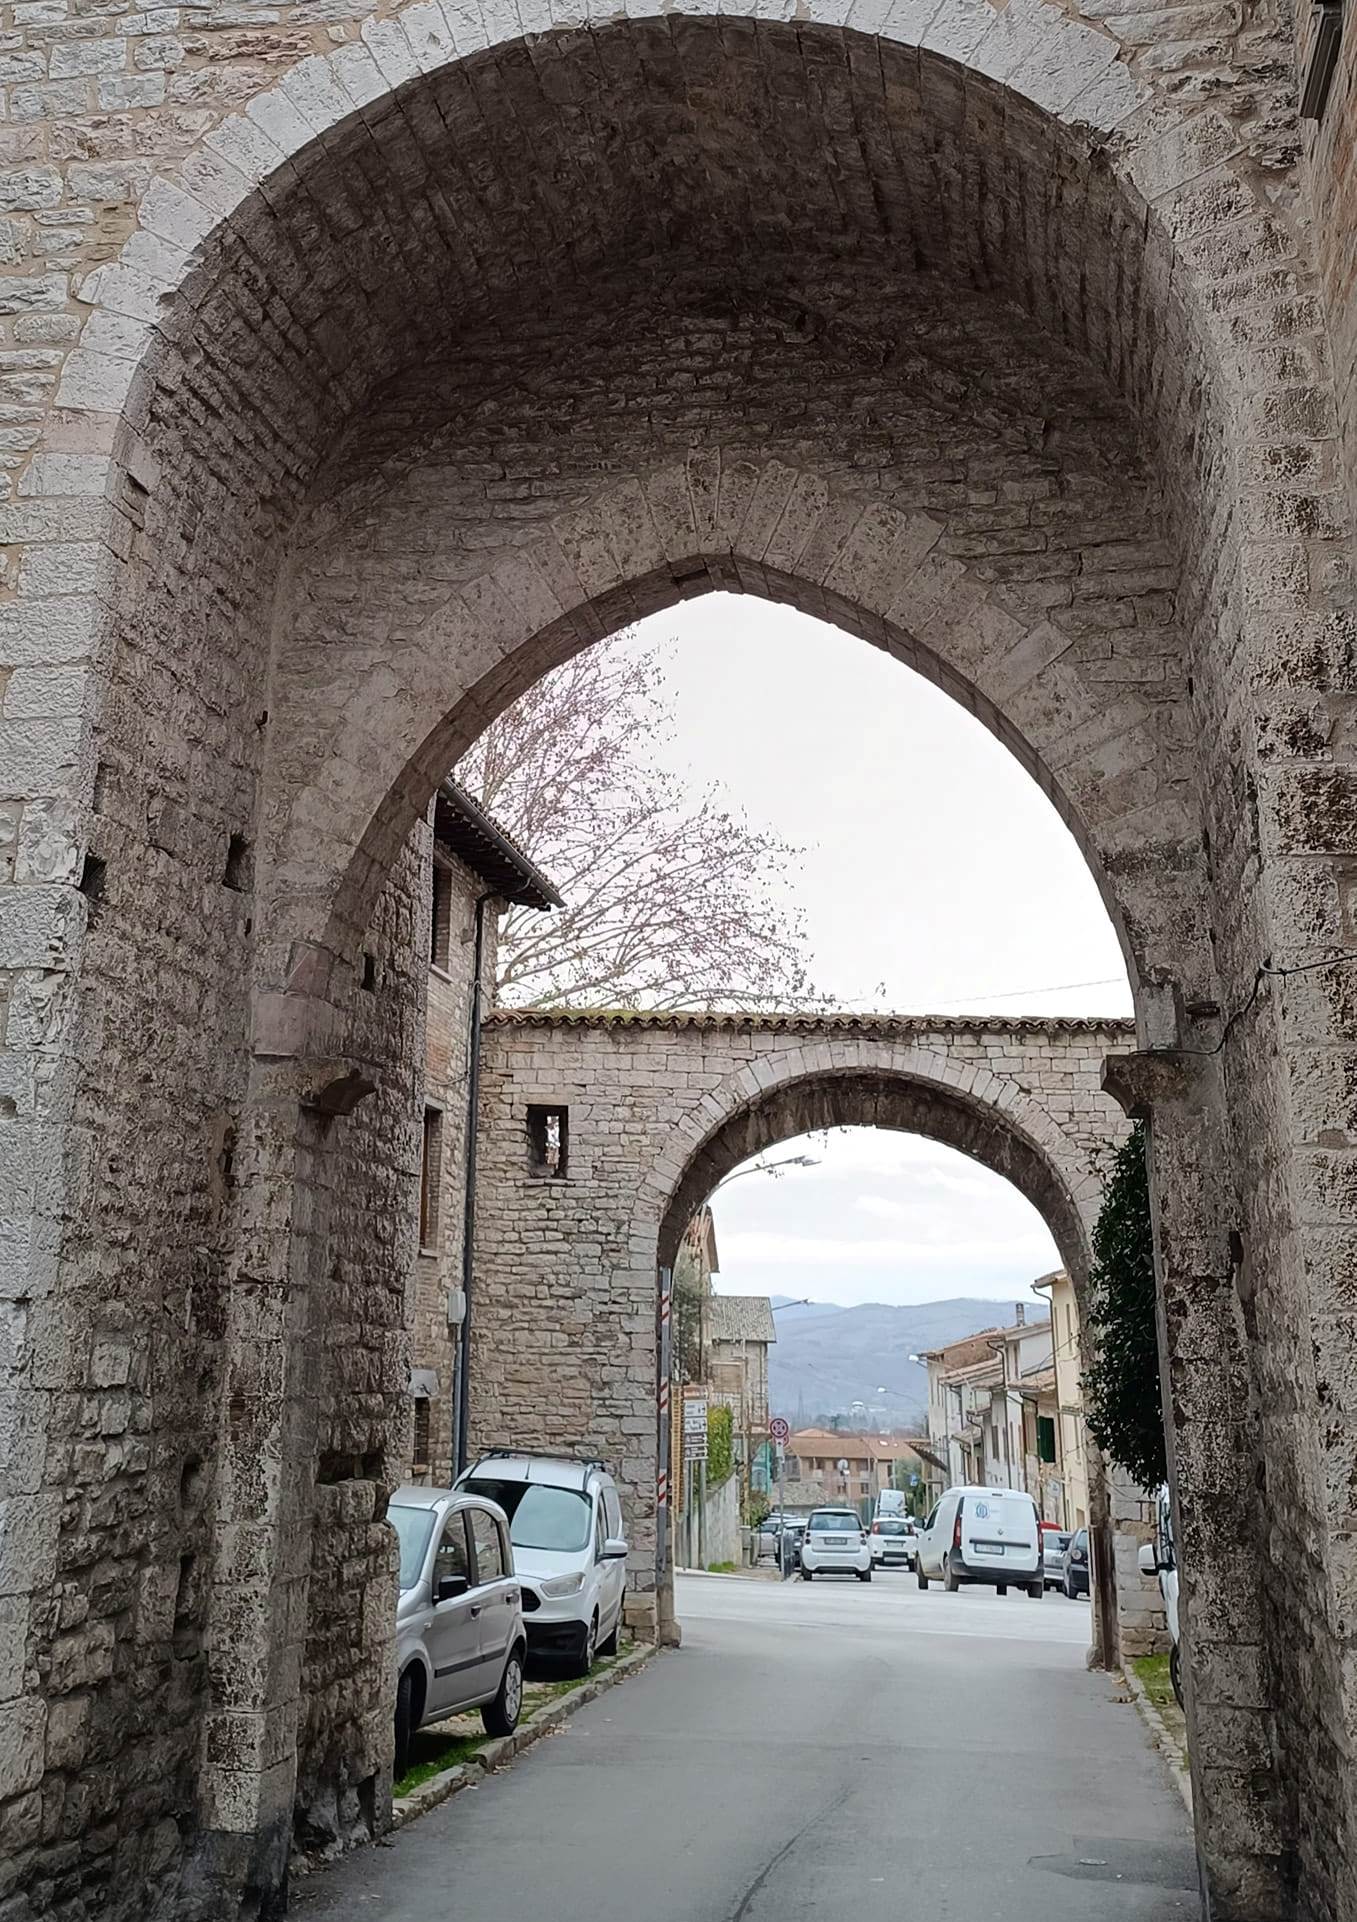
[832, 1521]
[539, 1516]
[892, 1528]
[413, 1528]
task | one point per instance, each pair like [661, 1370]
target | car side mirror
[450, 1587]
[1149, 1561]
[615, 1549]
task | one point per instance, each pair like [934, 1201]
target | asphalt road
[840, 1751]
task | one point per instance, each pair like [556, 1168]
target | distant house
[825, 1465]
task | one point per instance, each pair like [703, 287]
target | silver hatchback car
[459, 1617]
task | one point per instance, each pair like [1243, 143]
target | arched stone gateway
[358, 366]
[657, 1110]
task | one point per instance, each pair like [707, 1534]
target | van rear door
[999, 1531]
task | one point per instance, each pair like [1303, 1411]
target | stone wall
[434, 1344]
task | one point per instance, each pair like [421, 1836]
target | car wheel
[864, 1574]
[921, 1578]
[806, 1573]
[1069, 1592]
[501, 1716]
[1176, 1673]
[583, 1659]
[1001, 1588]
[951, 1581]
[1036, 1590]
[609, 1647]
[405, 1723]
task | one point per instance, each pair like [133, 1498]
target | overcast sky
[935, 878]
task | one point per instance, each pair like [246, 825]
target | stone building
[363, 360]
[1068, 1363]
[475, 872]
[825, 1465]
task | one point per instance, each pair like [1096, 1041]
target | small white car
[986, 1537]
[459, 1622]
[893, 1540]
[835, 1543]
[570, 1554]
[1159, 1558]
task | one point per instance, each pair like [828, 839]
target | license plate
[988, 1548]
[836, 1541]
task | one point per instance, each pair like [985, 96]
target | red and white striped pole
[666, 1429]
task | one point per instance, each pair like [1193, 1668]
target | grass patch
[1152, 1672]
[461, 1737]
[435, 1749]
[721, 1568]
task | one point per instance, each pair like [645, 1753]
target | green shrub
[1121, 1389]
[720, 1444]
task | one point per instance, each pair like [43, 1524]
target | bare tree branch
[671, 900]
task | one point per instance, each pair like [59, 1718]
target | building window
[430, 1177]
[440, 919]
[421, 1455]
[548, 1141]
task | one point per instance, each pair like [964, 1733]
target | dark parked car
[1076, 1580]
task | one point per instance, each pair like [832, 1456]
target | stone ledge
[448, 1782]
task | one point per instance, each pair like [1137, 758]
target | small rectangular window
[430, 1177]
[440, 918]
[421, 1455]
[548, 1141]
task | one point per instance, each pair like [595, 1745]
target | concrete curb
[449, 1782]
[1165, 1741]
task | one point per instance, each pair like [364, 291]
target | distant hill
[827, 1357]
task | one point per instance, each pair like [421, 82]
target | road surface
[833, 1750]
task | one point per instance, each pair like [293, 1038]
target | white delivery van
[983, 1537]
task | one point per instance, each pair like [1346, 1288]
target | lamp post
[767, 1168]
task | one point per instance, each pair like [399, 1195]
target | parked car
[1075, 1581]
[982, 1537]
[893, 1540]
[570, 1554]
[459, 1617]
[835, 1543]
[773, 1529]
[1054, 1543]
[1159, 1557]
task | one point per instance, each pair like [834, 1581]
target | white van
[570, 1555]
[983, 1537]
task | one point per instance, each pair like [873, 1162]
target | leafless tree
[672, 900]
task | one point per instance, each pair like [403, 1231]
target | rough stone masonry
[358, 363]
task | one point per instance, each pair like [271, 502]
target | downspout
[473, 1103]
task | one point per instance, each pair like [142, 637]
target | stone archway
[658, 1107]
[209, 795]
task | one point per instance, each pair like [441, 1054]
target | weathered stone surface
[583, 323]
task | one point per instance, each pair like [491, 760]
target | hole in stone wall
[431, 1178]
[440, 926]
[421, 1454]
[102, 777]
[549, 1141]
[369, 980]
[238, 864]
[93, 878]
[335, 1466]
[191, 1488]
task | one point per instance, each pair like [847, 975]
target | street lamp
[767, 1168]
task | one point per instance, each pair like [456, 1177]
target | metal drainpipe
[473, 1102]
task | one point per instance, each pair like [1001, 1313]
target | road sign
[780, 1430]
[694, 1428]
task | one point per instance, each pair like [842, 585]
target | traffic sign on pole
[780, 1430]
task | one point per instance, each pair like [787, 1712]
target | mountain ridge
[828, 1357]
